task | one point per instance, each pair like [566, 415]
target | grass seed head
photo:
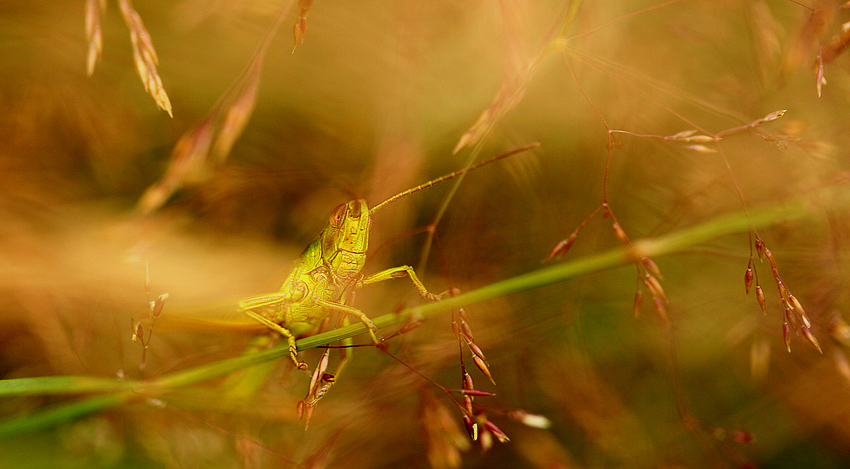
[482, 365]
[654, 287]
[471, 427]
[466, 330]
[138, 331]
[791, 319]
[475, 393]
[807, 333]
[530, 420]
[300, 28]
[760, 298]
[769, 256]
[699, 139]
[651, 266]
[760, 248]
[783, 290]
[562, 247]
[158, 305]
[683, 134]
[144, 56]
[93, 33]
[496, 431]
[318, 372]
[774, 115]
[621, 235]
[467, 381]
[476, 350]
[748, 279]
[795, 303]
[700, 149]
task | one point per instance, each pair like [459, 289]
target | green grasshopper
[327, 273]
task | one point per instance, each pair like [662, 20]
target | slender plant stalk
[119, 392]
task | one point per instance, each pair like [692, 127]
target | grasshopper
[326, 274]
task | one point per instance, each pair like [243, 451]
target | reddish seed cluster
[648, 271]
[795, 317]
[443, 443]
[649, 275]
[475, 420]
[562, 247]
[320, 383]
[464, 334]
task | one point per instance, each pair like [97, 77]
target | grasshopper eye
[338, 215]
[355, 209]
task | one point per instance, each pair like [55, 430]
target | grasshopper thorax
[346, 238]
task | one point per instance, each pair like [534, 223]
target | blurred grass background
[373, 102]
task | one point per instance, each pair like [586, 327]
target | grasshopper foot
[372, 330]
[298, 363]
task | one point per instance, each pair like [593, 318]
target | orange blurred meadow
[633, 284]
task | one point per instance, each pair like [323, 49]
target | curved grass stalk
[119, 392]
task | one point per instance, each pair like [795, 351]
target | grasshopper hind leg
[349, 310]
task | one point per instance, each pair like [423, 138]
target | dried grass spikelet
[562, 247]
[794, 314]
[186, 164]
[807, 333]
[157, 305]
[508, 96]
[320, 384]
[300, 28]
[209, 143]
[94, 35]
[144, 55]
[804, 48]
[760, 299]
[237, 115]
[700, 148]
[837, 45]
[648, 275]
[464, 333]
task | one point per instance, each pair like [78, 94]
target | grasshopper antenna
[452, 175]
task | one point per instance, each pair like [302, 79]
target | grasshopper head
[346, 238]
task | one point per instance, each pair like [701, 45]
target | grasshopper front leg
[290, 338]
[401, 271]
[247, 306]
